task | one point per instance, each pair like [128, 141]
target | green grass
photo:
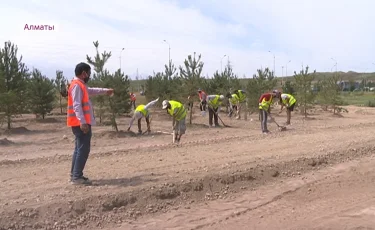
[358, 99]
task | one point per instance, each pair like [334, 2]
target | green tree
[192, 80]
[288, 87]
[305, 94]
[164, 86]
[261, 82]
[60, 84]
[224, 82]
[329, 92]
[99, 75]
[41, 94]
[13, 80]
[120, 102]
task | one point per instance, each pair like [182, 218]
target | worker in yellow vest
[265, 102]
[140, 112]
[178, 112]
[214, 101]
[288, 101]
[234, 103]
[242, 100]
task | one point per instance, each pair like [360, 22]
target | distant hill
[135, 85]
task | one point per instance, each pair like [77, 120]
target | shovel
[219, 117]
[281, 128]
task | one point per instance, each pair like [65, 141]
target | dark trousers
[263, 120]
[81, 151]
[212, 115]
[202, 105]
[132, 103]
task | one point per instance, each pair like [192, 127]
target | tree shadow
[124, 182]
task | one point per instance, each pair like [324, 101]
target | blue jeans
[81, 151]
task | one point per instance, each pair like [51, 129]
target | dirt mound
[363, 112]
[114, 134]
[197, 126]
[309, 118]
[18, 130]
[5, 142]
[337, 115]
[48, 120]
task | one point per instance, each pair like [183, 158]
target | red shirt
[266, 96]
[202, 95]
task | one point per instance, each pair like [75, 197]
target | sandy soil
[319, 174]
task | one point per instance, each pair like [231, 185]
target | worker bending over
[214, 101]
[265, 102]
[140, 112]
[242, 99]
[288, 101]
[178, 113]
[234, 103]
[203, 99]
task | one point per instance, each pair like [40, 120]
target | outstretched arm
[93, 91]
[151, 103]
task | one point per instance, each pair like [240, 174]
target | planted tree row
[29, 91]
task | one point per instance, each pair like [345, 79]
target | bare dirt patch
[102, 210]
[139, 179]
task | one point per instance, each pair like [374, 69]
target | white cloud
[302, 31]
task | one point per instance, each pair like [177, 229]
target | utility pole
[120, 57]
[335, 63]
[221, 62]
[274, 62]
[169, 53]
[286, 68]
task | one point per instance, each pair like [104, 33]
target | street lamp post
[120, 57]
[286, 68]
[335, 63]
[274, 61]
[221, 62]
[169, 53]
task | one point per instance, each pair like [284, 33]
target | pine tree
[60, 84]
[13, 80]
[99, 76]
[41, 94]
[191, 75]
[120, 102]
[224, 82]
[305, 94]
[261, 82]
[329, 92]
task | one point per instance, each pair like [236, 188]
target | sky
[251, 34]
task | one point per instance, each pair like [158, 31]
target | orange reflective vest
[72, 120]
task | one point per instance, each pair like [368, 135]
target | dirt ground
[319, 174]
